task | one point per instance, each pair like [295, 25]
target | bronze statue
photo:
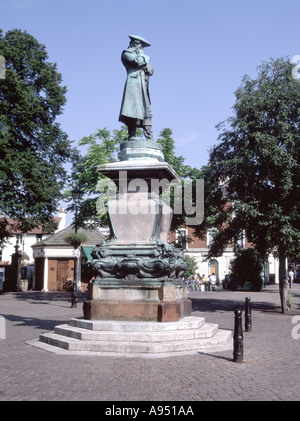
[136, 106]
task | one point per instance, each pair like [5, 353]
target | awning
[87, 251]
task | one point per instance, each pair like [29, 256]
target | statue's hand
[149, 69]
[140, 61]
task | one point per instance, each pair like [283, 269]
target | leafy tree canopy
[246, 270]
[255, 167]
[192, 266]
[34, 149]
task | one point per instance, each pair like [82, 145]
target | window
[181, 237]
[19, 238]
[210, 236]
[240, 242]
[213, 267]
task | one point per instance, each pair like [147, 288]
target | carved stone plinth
[137, 272]
[140, 150]
[162, 303]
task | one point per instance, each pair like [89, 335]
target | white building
[198, 248]
[27, 239]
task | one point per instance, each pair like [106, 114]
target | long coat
[136, 98]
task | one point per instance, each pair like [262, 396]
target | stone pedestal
[140, 150]
[148, 302]
[137, 272]
[137, 304]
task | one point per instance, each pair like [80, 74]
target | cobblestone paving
[270, 370]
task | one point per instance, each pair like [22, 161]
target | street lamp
[76, 196]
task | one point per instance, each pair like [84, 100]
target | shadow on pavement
[42, 297]
[212, 305]
[37, 323]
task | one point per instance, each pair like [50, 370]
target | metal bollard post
[248, 321]
[238, 347]
[74, 295]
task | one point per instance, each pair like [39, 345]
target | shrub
[245, 270]
[192, 266]
[75, 239]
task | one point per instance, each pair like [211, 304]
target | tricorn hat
[143, 41]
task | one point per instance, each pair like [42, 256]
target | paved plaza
[270, 370]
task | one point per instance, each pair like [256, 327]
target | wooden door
[212, 269]
[62, 274]
[39, 273]
[52, 274]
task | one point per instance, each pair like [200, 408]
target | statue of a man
[136, 106]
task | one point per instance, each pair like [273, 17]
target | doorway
[62, 274]
[213, 267]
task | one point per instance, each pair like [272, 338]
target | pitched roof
[93, 237]
[12, 227]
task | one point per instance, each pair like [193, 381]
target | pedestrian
[192, 282]
[291, 278]
[198, 279]
[212, 281]
[204, 281]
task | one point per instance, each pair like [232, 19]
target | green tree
[168, 149]
[34, 149]
[192, 266]
[255, 168]
[168, 145]
[102, 147]
[246, 269]
[185, 172]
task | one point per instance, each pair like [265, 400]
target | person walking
[291, 278]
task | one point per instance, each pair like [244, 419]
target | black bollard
[238, 347]
[248, 320]
[74, 295]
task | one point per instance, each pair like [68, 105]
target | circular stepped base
[97, 337]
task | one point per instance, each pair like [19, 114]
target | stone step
[220, 339]
[191, 322]
[136, 337]
[205, 331]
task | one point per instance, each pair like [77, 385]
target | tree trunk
[283, 283]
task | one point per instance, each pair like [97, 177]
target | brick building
[55, 259]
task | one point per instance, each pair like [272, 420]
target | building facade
[56, 262]
[198, 248]
[26, 240]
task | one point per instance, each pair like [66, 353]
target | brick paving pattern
[270, 371]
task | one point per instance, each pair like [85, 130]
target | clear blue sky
[199, 49]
